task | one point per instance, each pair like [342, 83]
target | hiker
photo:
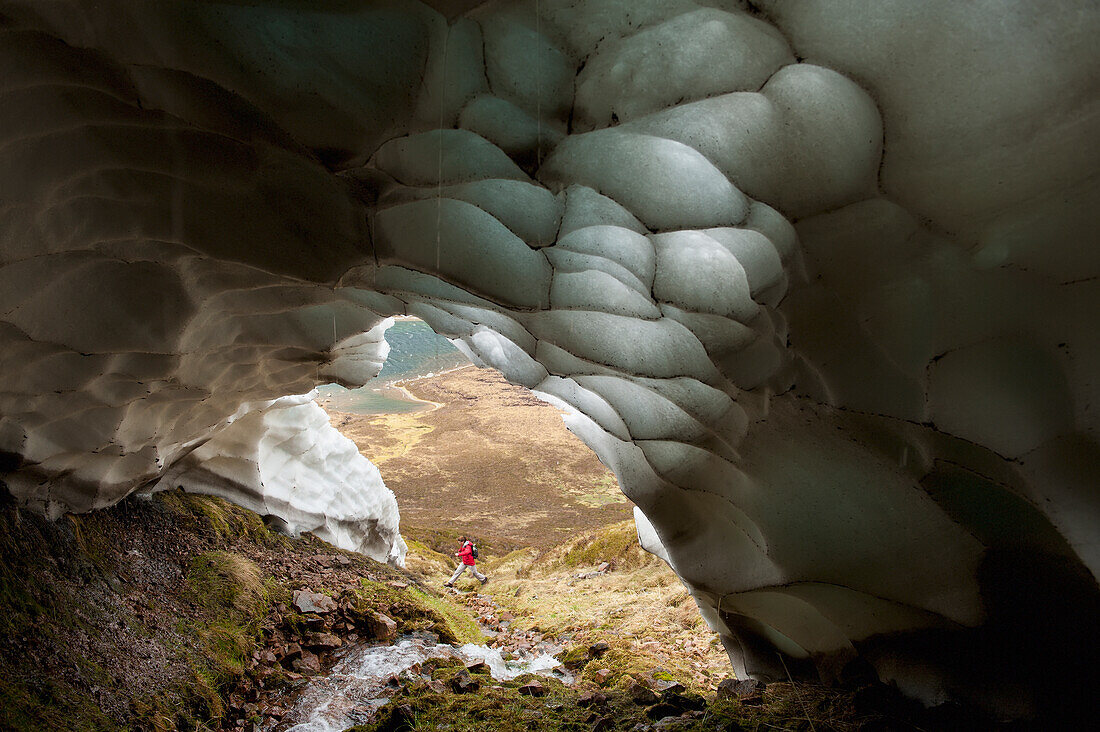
[466, 554]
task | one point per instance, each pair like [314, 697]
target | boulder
[739, 688]
[532, 688]
[662, 710]
[308, 663]
[641, 694]
[463, 683]
[684, 701]
[313, 602]
[381, 627]
[324, 641]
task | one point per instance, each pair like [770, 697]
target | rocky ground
[186, 613]
[600, 695]
[182, 612]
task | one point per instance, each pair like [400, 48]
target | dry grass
[640, 608]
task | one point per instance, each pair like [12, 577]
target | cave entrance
[464, 451]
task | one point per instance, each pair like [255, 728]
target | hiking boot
[485, 581]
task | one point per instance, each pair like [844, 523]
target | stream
[357, 685]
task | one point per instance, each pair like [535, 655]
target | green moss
[502, 709]
[623, 664]
[617, 543]
[217, 515]
[418, 708]
[431, 665]
[574, 658]
[22, 600]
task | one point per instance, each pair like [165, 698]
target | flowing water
[357, 685]
[415, 350]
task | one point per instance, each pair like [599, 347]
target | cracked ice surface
[817, 281]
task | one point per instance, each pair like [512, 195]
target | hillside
[486, 458]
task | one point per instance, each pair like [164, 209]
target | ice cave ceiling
[818, 280]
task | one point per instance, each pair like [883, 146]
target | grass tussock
[220, 580]
[457, 621]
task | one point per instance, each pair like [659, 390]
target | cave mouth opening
[473, 454]
[466, 452]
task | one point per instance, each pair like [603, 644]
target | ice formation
[818, 280]
[285, 460]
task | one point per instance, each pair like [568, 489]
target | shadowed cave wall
[816, 280]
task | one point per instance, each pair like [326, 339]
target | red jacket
[466, 554]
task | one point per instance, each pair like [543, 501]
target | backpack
[473, 550]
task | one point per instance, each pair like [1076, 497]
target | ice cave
[817, 280]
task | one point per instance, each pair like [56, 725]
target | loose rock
[313, 602]
[641, 694]
[478, 667]
[324, 641]
[532, 688]
[307, 663]
[463, 683]
[591, 698]
[739, 688]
